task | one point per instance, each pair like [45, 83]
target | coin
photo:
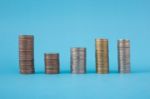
[26, 54]
[78, 60]
[101, 55]
[51, 55]
[124, 56]
[30, 71]
[51, 63]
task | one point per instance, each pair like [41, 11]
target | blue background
[59, 25]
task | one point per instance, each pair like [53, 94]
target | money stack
[26, 54]
[124, 56]
[78, 60]
[51, 63]
[102, 58]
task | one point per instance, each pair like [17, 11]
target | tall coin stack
[78, 60]
[51, 63]
[124, 56]
[26, 54]
[102, 58]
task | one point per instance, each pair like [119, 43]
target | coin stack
[26, 54]
[124, 56]
[102, 58]
[78, 60]
[51, 63]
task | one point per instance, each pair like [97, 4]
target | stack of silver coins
[26, 54]
[102, 57]
[51, 63]
[124, 56]
[78, 60]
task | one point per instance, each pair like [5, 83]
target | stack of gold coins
[124, 56]
[102, 58]
[78, 60]
[26, 54]
[51, 63]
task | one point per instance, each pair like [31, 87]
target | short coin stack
[78, 60]
[26, 54]
[51, 63]
[124, 56]
[102, 58]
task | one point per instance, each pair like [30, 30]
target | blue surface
[60, 24]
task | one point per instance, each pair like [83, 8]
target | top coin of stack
[124, 56]
[102, 58]
[78, 60]
[26, 54]
[51, 63]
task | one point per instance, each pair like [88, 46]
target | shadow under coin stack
[26, 54]
[51, 63]
[102, 58]
[124, 56]
[78, 60]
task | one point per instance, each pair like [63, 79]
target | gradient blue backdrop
[59, 25]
